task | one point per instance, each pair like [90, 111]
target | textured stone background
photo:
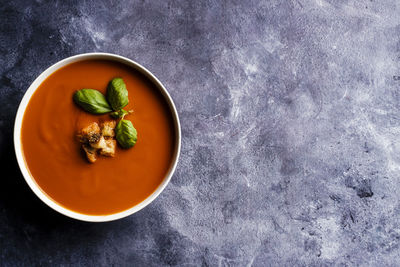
[290, 115]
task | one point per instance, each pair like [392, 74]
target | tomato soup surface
[54, 156]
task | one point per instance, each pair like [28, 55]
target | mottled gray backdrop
[290, 114]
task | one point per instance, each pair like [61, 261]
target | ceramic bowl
[20, 157]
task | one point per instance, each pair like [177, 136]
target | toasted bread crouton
[109, 150]
[107, 128]
[90, 134]
[98, 140]
[90, 153]
[101, 143]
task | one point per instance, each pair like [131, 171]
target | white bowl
[20, 158]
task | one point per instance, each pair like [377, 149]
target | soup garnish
[95, 140]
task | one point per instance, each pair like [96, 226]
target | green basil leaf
[92, 101]
[119, 114]
[126, 134]
[117, 95]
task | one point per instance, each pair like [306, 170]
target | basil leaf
[92, 101]
[126, 134]
[119, 114]
[117, 95]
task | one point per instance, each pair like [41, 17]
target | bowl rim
[18, 146]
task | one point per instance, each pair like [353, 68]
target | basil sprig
[117, 95]
[92, 101]
[95, 102]
[126, 134]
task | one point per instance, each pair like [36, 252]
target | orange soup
[54, 156]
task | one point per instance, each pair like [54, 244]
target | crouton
[101, 143]
[90, 153]
[107, 128]
[109, 150]
[90, 134]
[96, 140]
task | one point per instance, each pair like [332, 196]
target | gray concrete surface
[290, 115]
